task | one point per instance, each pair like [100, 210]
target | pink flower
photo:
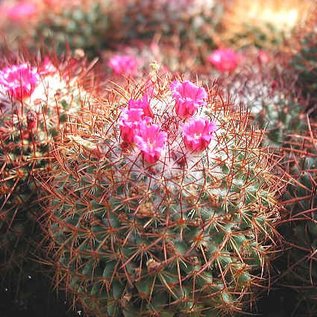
[150, 140]
[47, 67]
[129, 122]
[21, 11]
[143, 104]
[198, 133]
[188, 98]
[123, 65]
[224, 60]
[19, 81]
[263, 57]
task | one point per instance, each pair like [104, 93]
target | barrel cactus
[186, 23]
[298, 266]
[268, 88]
[36, 100]
[166, 208]
[303, 59]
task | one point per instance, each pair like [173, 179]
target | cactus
[35, 103]
[83, 25]
[86, 25]
[268, 90]
[186, 23]
[262, 23]
[303, 59]
[168, 208]
[298, 265]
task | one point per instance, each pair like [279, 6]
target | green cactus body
[189, 23]
[299, 228]
[187, 235]
[28, 127]
[304, 64]
[271, 97]
[84, 25]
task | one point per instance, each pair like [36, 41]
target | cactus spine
[36, 101]
[167, 210]
[299, 225]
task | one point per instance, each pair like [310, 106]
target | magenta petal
[19, 80]
[150, 140]
[224, 60]
[123, 65]
[188, 98]
[197, 134]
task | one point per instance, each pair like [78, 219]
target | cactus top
[160, 215]
[150, 126]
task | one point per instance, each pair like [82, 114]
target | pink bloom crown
[19, 81]
[40, 96]
[175, 128]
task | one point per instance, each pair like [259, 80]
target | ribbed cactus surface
[167, 210]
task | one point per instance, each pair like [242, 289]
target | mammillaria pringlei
[168, 210]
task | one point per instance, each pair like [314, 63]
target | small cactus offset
[169, 209]
[36, 100]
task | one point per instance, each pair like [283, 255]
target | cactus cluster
[181, 180]
[82, 25]
[36, 100]
[86, 25]
[168, 210]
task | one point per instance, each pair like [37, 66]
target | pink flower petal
[143, 104]
[197, 134]
[21, 11]
[19, 81]
[123, 65]
[150, 140]
[129, 122]
[224, 60]
[188, 98]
